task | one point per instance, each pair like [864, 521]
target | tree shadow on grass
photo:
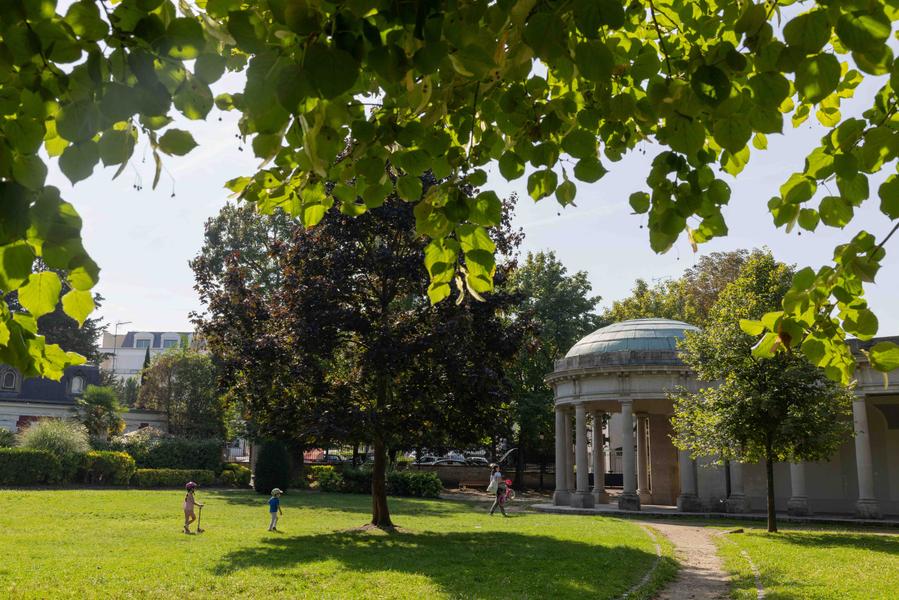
[887, 544]
[348, 503]
[462, 564]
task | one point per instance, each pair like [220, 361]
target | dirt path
[702, 576]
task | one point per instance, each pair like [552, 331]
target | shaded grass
[813, 563]
[127, 544]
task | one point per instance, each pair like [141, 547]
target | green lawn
[814, 564]
[128, 543]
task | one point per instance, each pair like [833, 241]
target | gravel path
[701, 576]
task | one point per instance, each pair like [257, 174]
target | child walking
[189, 503]
[274, 508]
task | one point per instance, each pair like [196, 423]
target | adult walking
[497, 486]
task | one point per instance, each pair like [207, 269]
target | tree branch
[652, 10]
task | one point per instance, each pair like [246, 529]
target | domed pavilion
[619, 379]
[627, 368]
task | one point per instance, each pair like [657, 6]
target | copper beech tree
[370, 94]
[349, 349]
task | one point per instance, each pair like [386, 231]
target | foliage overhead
[780, 408]
[370, 94]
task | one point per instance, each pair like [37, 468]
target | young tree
[457, 85]
[99, 411]
[182, 383]
[350, 349]
[557, 310]
[780, 408]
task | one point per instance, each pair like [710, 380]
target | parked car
[330, 459]
[449, 461]
[477, 461]
[427, 460]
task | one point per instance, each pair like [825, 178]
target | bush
[152, 478]
[314, 471]
[150, 452]
[67, 440]
[357, 481]
[421, 484]
[329, 480]
[272, 468]
[7, 439]
[234, 475]
[109, 468]
[27, 466]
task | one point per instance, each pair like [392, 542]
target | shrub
[7, 439]
[329, 480]
[421, 484]
[27, 466]
[151, 478]
[272, 468]
[315, 471]
[234, 475]
[357, 481]
[109, 468]
[67, 440]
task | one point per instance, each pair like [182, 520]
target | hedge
[234, 475]
[150, 478]
[26, 466]
[419, 484]
[169, 453]
[108, 468]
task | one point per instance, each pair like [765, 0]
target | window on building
[169, 343]
[77, 384]
[9, 381]
[141, 343]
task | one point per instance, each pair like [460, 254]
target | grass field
[813, 564]
[128, 543]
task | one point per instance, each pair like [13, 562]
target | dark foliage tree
[349, 349]
[272, 467]
[98, 409]
[779, 408]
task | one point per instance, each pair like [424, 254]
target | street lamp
[115, 343]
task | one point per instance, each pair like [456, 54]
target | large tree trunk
[519, 465]
[380, 514]
[769, 471]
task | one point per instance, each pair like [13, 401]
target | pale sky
[143, 239]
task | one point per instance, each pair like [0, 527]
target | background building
[23, 401]
[124, 354]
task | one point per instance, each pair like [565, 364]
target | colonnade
[572, 468]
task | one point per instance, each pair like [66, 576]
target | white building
[125, 353]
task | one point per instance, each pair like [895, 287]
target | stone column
[736, 502]
[599, 463]
[582, 498]
[688, 501]
[797, 505]
[866, 507]
[560, 496]
[643, 459]
[629, 500]
[569, 455]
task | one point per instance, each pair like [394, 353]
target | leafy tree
[349, 349]
[182, 383]
[688, 298]
[242, 234]
[99, 411]
[129, 391]
[779, 408]
[558, 310]
[146, 365]
[345, 92]
[272, 468]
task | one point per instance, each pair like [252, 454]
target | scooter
[199, 518]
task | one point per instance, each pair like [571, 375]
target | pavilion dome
[643, 336]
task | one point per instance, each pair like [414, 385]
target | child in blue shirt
[274, 508]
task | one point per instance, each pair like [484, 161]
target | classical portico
[625, 370]
[613, 386]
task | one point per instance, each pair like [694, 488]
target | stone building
[622, 375]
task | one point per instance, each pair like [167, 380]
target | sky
[142, 238]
